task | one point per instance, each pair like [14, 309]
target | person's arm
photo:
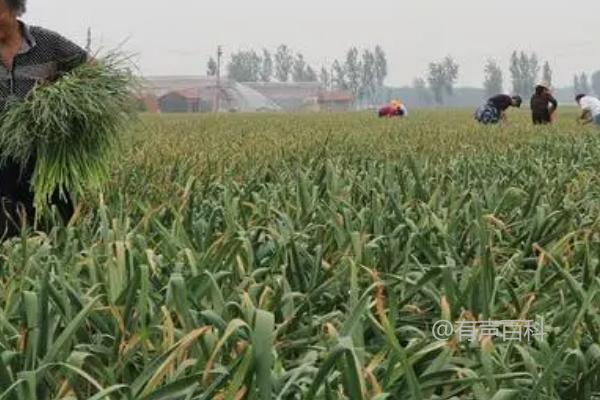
[553, 102]
[586, 116]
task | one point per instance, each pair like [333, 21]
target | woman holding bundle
[543, 105]
[30, 56]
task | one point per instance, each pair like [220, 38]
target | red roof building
[335, 100]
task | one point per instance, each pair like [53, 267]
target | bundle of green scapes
[71, 127]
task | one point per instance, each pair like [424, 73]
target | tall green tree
[442, 78]
[368, 83]
[596, 83]
[353, 69]
[584, 83]
[381, 66]
[423, 94]
[526, 85]
[310, 75]
[325, 78]
[244, 66]
[437, 81]
[547, 73]
[211, 67]
[299, 69]
[576, 85]
[530, 69]
[266, 70]
[515, 73]
[494, 81]
[284, 60]
[339, 79]
[524, 70]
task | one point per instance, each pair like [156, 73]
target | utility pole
[218, 96]
[88, 43]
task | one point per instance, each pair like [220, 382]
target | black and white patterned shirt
[44, 56]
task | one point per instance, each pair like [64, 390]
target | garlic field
[310, 256]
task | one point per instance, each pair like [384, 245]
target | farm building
[335, 100]
[290, 96]
[186, 100]
[147, 102]
[200, 94]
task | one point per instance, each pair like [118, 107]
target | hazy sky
[178, 36]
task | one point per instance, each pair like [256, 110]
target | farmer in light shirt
[590, 107]
[29, 55]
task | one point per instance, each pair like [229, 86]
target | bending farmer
[395, 109]
[494, 110]
[590, 107]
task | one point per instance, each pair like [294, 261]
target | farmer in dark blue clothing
[29, 56]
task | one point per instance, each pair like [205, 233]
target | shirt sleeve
[494, 101]
[68, 54]
[586, 105]
[553, 101]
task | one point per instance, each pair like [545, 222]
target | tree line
[585, 85]
[442, 76]
[439, 82]
[525, 74]
[526, 71]
[361, 72]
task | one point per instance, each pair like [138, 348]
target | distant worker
[590, 107]
[494, 110]
[543, 105]
[395, 109]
